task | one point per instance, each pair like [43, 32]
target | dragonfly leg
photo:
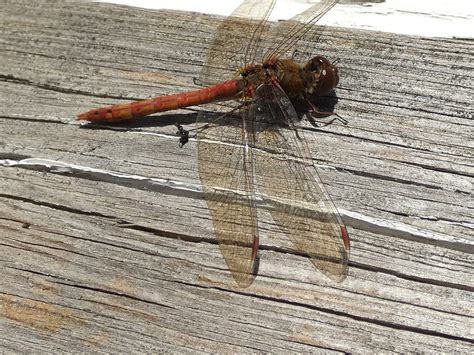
[298, 55]
[200, 82]
[316, 116]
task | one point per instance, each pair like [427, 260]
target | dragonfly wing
[285, 37]
[299, 203]
[236, 41]
[225, 169]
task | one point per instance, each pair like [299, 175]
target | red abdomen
[129, 111]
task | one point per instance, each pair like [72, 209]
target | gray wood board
[106, 241]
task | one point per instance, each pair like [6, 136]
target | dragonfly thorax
[317, 77]
[285, 72]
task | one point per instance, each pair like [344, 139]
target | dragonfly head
[320, 76]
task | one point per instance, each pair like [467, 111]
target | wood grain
[106, 241]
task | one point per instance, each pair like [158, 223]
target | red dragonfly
[255, 151]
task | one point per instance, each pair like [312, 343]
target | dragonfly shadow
[161, 120]
[318, 110]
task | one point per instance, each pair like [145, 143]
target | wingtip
[345, 238]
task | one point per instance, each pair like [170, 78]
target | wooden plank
[106, 241]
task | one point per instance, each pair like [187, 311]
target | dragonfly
[254, 154]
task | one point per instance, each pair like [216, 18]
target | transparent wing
[300, 205]
[285, 37]
[225, 169]
[236, 41]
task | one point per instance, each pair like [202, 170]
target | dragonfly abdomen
[122, 112]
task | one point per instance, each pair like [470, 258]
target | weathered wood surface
[106, 242]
